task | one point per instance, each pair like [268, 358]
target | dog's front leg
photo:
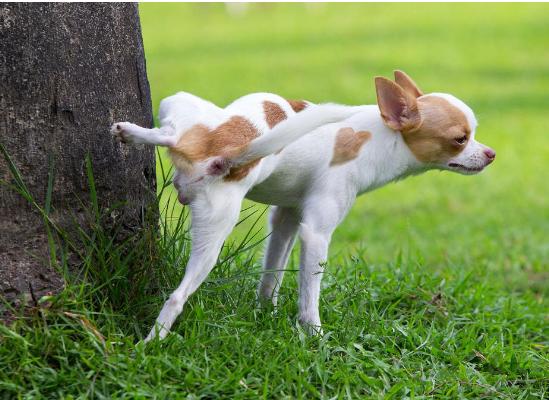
[314, 253]
[321, 217]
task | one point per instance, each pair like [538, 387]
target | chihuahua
[308, 161]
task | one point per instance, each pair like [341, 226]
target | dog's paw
[121, 132]
[311, 328]
[156, 331]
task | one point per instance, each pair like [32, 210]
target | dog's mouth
[463, 168]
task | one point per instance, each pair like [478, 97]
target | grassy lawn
[437, 286]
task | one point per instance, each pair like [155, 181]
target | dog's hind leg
[213, 217]
[126, 132]
[177, 114]
[284, 225]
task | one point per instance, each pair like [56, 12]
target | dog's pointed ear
[407, 83]
[398, 107]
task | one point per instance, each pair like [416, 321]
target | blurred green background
[495, 57]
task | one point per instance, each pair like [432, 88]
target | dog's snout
[490, 154]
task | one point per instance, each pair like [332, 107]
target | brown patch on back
[347, 145]
[441, 123]
[227, 140]
[273, 113]
[297, 105]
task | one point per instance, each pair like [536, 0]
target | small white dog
[308, 161]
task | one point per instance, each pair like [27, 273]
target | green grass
[437, 286]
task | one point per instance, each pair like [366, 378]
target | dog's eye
[461, 140]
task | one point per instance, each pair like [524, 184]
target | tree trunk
[68, 71]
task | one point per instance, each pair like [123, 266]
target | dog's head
[438, 128]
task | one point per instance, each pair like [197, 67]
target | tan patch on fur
[347, 145]
[297, 105]
[190, 147]
[441, 123]
[227, 140]
[273, 113]
[238, 173]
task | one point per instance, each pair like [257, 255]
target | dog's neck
[386, 157]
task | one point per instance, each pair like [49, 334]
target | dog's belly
[278, 190]
[294, 172]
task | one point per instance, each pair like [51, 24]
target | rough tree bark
[68, 71]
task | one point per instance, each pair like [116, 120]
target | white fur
[309, 196]
[291, 129]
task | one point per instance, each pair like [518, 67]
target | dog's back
[205, 130]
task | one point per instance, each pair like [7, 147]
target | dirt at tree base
[26, 274]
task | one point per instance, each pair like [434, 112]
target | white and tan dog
[308, 161]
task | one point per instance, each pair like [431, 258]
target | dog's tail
[291, 129]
